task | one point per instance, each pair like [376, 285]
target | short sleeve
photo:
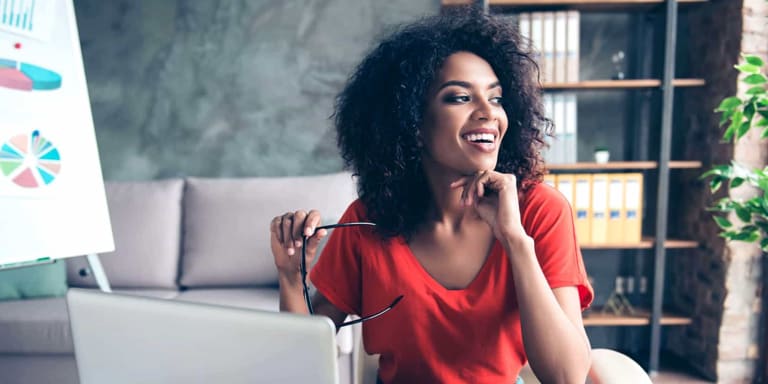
[548, 219]
[336, 275]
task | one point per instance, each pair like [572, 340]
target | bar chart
[26, 17]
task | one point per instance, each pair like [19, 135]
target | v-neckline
[436, 285]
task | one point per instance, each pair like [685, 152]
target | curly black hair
[379, 114]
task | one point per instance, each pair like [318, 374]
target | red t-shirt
[445, 335]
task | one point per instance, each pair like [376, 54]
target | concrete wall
[224, 87]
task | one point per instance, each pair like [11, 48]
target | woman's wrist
[518, 244]
[290, 280]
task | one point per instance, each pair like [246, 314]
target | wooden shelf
[619, 165]
[641, 317]
[586, 5]
[621, 84]
[645, 243]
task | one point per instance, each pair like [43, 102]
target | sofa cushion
[37, 281]
[226, 224]
[265, 299]
[146, 224]
[35, 326]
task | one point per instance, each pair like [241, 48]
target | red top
[437, 334]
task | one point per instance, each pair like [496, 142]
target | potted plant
[740, 114]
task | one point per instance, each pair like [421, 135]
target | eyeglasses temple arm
[375, 315]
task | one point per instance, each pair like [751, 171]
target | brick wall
[718, 284]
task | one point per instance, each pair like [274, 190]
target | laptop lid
[131, 339]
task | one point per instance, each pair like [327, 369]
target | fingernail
[297, 243]
[309, 231]
[291, 251]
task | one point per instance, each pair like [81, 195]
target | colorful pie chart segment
[27, 77]
[30, 160]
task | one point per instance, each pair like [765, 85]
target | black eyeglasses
[303, 267]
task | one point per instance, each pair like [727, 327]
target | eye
[497, 99]
[456, 99]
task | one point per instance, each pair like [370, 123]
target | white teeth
[483, 137]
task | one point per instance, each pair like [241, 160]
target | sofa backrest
[226, 222]
[146, 222]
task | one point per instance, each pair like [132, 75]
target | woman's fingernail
[297, 243]
[308, 231]
[291, 251]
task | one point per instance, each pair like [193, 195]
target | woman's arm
[286, 240]
[553, 333]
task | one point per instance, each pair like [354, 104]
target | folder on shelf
[633, 204]
[599, 209]
[559, 118]
[572, 46]
[561, 40]
[537, 36]
[524, 25]
[566, 186]
[550, 180]
[570, 137]
[582, 197]
[548, 47]
[616, 212]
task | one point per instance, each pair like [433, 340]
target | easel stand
[98, 272]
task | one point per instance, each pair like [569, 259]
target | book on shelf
[554, 39]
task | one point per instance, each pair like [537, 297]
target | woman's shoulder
[542, 194]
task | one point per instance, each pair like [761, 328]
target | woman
[443, 124]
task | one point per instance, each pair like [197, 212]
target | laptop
[131, 339]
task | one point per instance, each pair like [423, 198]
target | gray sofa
[200, 240]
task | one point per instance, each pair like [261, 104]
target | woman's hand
[286, 240]
[494, 197]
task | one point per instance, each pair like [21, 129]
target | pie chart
[30, 160]
[27, 77]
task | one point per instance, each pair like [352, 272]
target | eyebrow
[465, 84]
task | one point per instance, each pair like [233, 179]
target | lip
[494, 132]
[482, 147]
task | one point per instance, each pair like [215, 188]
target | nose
[484, 111]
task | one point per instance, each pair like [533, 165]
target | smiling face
[464, 121]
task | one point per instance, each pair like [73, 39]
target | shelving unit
[622, 165]
[658, 171]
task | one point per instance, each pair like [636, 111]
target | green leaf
[747, 68]
[744, 214]
[765, 133]
[729, 104]
[754, 60]
[763, 122]
[762, 225]
[728, 135]
[749, 109]
[764, 244]
[749, 237]
[758, 90]
[755, 79]
[715, 184]
[722, 222]
[735, 182]
[743, 128]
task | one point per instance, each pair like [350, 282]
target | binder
[561, 40]
[566, 186]
[550, 180]
[537, 39]
[572, 46]
[524, 25]
[558, 144]
[633, 204]
[599, 209]
[616, 211]
[570, 136]
[581, 203]
[548, 48]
